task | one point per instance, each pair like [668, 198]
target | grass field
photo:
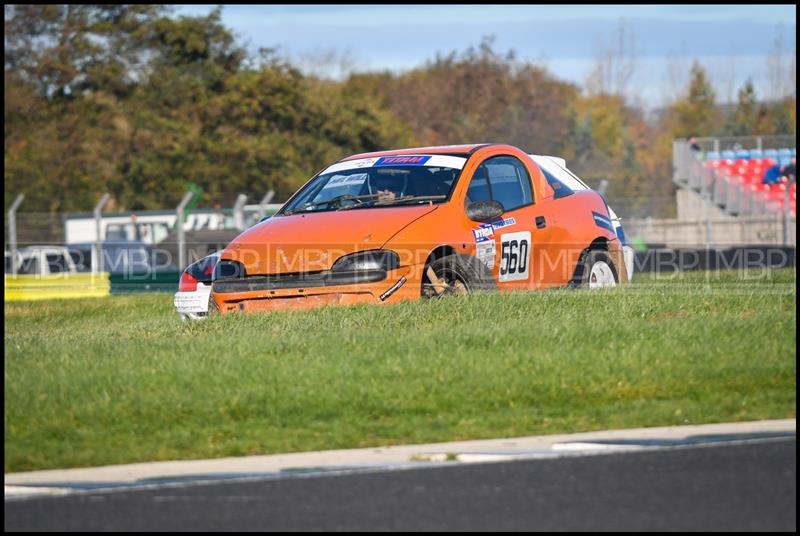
[121, 379]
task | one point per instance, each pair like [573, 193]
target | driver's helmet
[386, 182]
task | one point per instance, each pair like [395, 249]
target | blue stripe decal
[602, 221]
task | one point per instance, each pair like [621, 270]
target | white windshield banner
[437, 160]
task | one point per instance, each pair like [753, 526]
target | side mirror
[485, 210]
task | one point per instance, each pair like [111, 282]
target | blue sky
[731, 41]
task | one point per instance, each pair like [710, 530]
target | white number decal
[515, 249]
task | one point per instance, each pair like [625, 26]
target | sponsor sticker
[366, 162]
[341, 181]
[486, 253]
[484, 233]
[504, 223]
[404, 160]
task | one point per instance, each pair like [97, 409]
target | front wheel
[213, 309]
[454, 275]
[596, 271]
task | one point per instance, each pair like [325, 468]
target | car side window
[559, 188]
[503, 179]
[509, 182]
[479, 186]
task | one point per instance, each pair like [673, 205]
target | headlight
[228, 269]
[376, 259]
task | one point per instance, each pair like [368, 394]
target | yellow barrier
[48, 287]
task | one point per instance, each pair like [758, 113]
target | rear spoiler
[558, 160]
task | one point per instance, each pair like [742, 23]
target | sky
[732, 42]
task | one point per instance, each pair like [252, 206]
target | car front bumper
[268, 294]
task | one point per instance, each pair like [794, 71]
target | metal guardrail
[61, 286]
[137, 283]
[684, 259]
[86, 285]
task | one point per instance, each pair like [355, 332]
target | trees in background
[742, 121]
[696, 113]
[477, 96]
[128, 100]
[615, 64]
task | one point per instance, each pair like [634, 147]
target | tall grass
[122, 379]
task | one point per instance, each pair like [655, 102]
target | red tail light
[187, 283]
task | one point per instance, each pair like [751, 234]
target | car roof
[452, 150]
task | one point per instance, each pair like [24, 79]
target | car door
[505, 244]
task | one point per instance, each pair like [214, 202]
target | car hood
[314, 241]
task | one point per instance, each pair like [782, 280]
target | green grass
[116, 380]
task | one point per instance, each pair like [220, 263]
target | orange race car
[404, 224]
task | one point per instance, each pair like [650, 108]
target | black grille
[301, 280]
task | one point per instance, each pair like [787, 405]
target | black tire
[213, 310]
[462, 273]
[584, 268]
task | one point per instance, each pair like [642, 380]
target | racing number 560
[514, 256]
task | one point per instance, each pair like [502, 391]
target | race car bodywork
[396, 225]
[556, 168]
[194, 288]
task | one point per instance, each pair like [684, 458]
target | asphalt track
[730, 487]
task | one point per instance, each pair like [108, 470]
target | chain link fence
[147, 242]
[130, 242]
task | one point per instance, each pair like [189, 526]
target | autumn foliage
[127, 100]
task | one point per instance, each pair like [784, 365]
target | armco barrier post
[262, 206]
[179, 222]
[238, 212]
[12, 231]
[97, 258]
[706, 197]
[787, 212]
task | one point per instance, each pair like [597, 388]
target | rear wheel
[597, 270]
[454, 275]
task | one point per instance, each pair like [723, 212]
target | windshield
[378, 182]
